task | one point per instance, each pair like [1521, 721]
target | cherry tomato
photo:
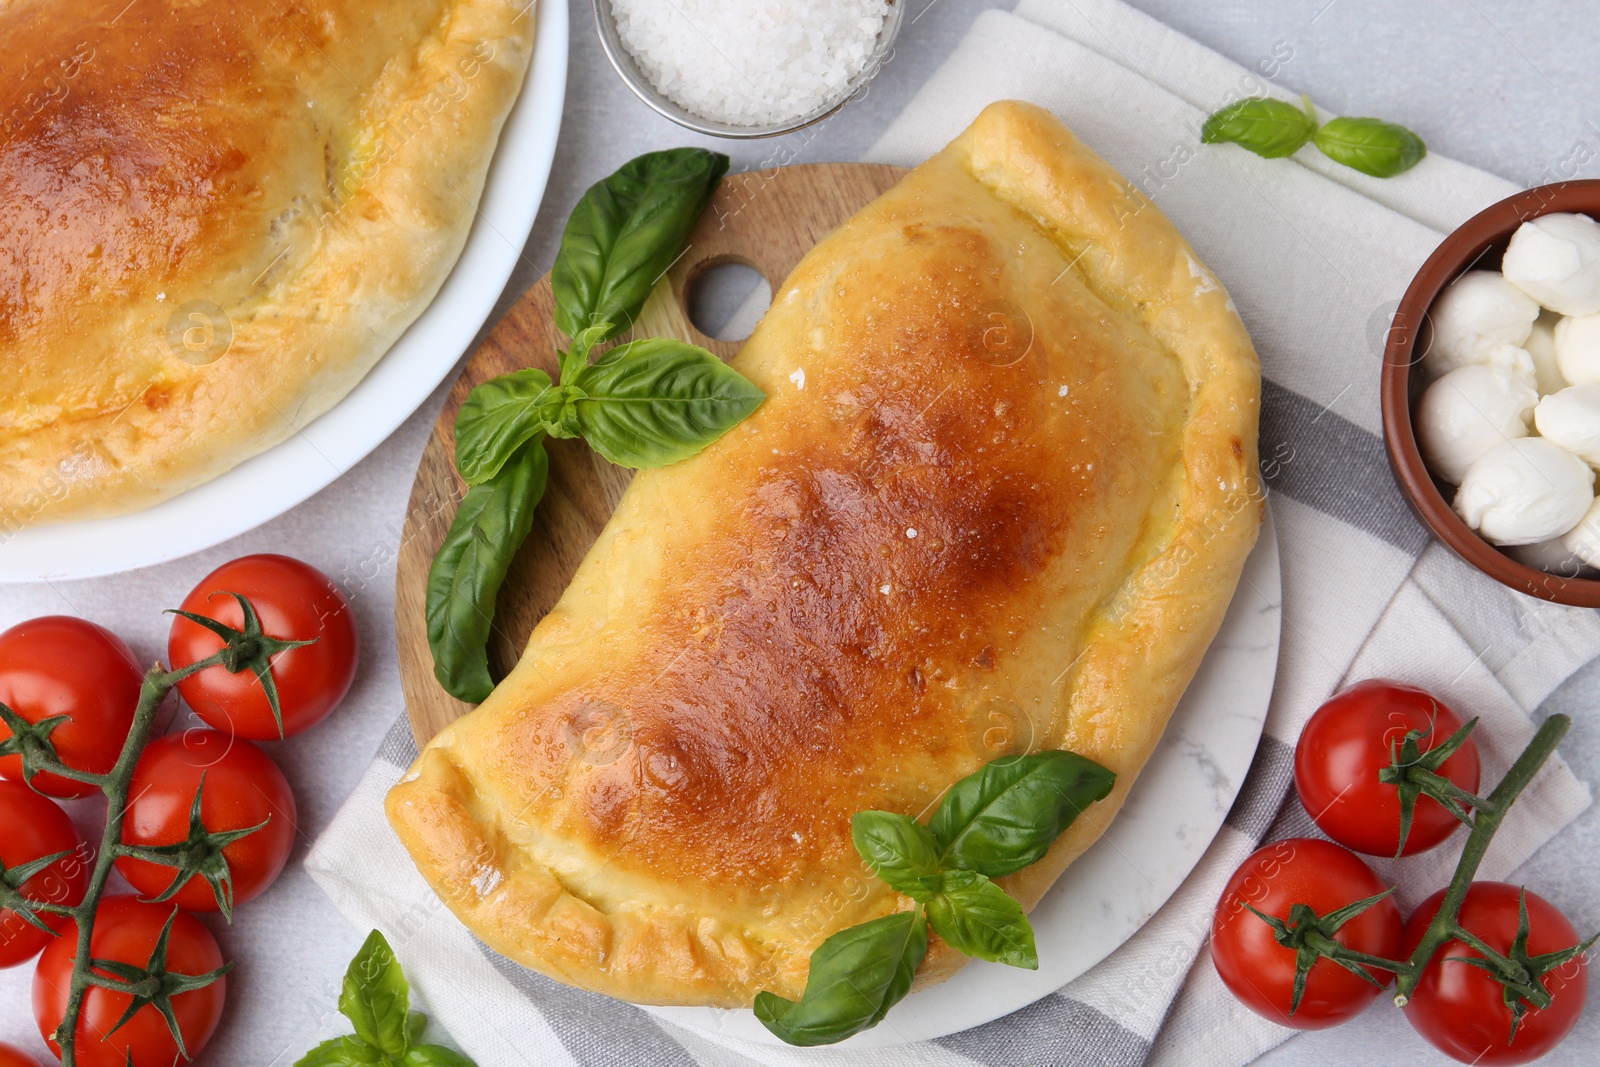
[1345, 745]
[32, 827]
[242, 788]
[12, 1056]
[295, 602]
[1260, 972]
[126, 930]
[58, 665]
[1460, 1009]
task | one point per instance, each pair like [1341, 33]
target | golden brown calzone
[1003, 483]
[215, 216]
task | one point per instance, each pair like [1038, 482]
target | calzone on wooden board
[215, 217]
[1005, 473]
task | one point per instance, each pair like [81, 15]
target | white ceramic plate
[1171, 815]
[267, 485]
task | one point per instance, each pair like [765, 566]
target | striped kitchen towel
[1316, 258]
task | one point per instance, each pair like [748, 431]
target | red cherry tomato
[126, 930]
[242, 788]
[31, 828]
[12, 1056]
[295, 602]
[1460, 1009]
[1345, 745]
[1260, 972]
[58, 665]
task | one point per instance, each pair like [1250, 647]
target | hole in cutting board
[727, 299]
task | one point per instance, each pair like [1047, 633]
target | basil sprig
[1372, 146]
[991, 823]
[625, 233]
[490, 525]
[376, 998]
[1274, 128]
[647, 403]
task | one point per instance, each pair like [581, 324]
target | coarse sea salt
[751, 63]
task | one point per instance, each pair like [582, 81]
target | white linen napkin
[1316, 257]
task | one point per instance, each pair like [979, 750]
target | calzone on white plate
[999, 495]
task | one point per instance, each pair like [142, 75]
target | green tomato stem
[1446, 924]
[115, 784]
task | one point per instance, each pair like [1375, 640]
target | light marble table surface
[1508, 87]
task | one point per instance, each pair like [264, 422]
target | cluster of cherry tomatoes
[1457, 1005]
[62, 666]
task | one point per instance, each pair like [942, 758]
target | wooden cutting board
[764, 219]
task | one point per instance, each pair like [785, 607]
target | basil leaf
[499, 417]
[1372, 146]
[376, 997]
[656, 401]
[1267, 127]
[1006, 815]
[625, 233]
[977, 917]
[856, 976]
[490, 525]
[416, 1026]
[341, 1052]
[435, 1056]
[899, 850]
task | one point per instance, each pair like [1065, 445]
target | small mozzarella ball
[1524, 491]
[1583, 540]
[1577, 340]
[1541, 346]
[1551, 555]
[1571, 419]
[1556, 260]
[1475, 312]
[1472, 409]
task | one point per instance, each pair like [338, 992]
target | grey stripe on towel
[1054, 1032]
[597, 1030]
[1328, 462]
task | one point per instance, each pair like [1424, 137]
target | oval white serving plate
[1171, 816]
[267, 485]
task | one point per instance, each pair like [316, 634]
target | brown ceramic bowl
[1478, 243]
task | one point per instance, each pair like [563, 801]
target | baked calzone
[998, 496]
[215, 217]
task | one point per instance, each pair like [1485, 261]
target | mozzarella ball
[1571, 419]
[1577, 341]
[1541, 346]
[1475, 312]
[1556, 260]
[1474, 408]
[1552, 556]
[1583, 540]
[1524, 491]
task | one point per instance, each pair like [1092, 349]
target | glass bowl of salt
[747, 68]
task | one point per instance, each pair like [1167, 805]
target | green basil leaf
[856, 976]
[1006, 815]
[977, 917]
[899, 850]
[435, 1056]
[341, 1052]
[376, 997]
[1267, 127]
[656, 401]
[490, 525]
[416, 1026]
[1372, 146]
[625, 233]
[499, 417]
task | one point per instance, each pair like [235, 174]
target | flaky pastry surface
[215, 217]
[998, 498]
